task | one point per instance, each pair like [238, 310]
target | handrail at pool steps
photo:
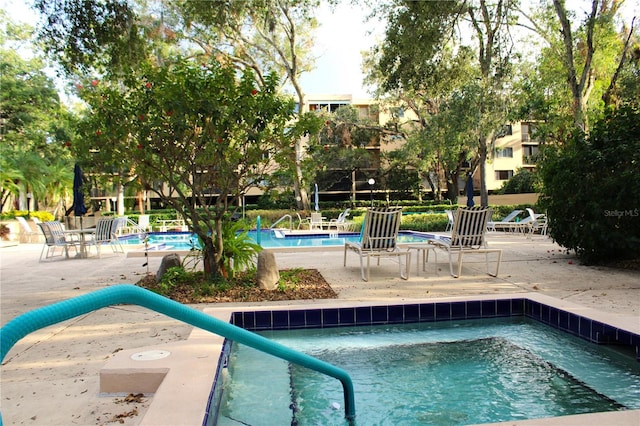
[283, 218]
[45, 316]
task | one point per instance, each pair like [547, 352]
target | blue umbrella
[79, 209]
[317, 199]
[469, 190]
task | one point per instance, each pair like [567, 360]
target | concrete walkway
[51, 377]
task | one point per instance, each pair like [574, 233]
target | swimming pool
[512, 323]
[163, 241]
[271, 239]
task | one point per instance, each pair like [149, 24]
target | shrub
[239, 250]
[524, 181]
[428, 222]
[592, 189]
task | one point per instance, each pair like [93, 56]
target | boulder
[267, 275]
[168, 261]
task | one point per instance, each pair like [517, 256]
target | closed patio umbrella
[317, 199]
[79, 209]
[469, 190]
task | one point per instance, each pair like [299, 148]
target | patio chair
[105, 234]
[303, 221]
[450, 218]
[26, 233]
[316, 221]
[535, 222]
[117, 227]
[55, 237]
[143, 223]
[468, 236]
[506, 223]
[541, 224]
[379, 239]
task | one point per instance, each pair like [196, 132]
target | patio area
[52, 375]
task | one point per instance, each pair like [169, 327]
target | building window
[529, 154]
[528, 132]
[505, 130]
[327, 106]
[504, 152]
[504, 174]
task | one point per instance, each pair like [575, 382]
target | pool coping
[186, 376]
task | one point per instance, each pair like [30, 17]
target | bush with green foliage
[523, 182]
[239, 251]
[592, 189]
[426, 222]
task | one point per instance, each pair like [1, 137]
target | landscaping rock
[168, 261]
[267, 275]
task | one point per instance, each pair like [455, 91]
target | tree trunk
[212, 252]
[453, 189]
[435, 189]
[579, 88]
[302, 197]
[482, 152]
[120, 202]
[141, 199]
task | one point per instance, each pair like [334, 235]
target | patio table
[424, 248]
[82, 238]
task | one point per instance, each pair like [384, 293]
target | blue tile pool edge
[586, 328]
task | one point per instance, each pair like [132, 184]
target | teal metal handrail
[45, 316]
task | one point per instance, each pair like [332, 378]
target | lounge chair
[54, 237]
[506, 223]
[468, 236]
[379, 239]
[26, 233]
[341, 223]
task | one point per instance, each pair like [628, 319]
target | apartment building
[514, 149]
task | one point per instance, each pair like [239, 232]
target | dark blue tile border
[593, 331]
[215, 396]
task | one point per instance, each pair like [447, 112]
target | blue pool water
[184, 241]
[276, 238]
[164, 241]
[438, 373]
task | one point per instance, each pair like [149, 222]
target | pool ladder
[45, 316]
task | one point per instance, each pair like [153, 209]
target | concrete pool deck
[52, 376]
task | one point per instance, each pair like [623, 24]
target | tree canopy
[34, 125]
[196, 134]
[111, 38]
